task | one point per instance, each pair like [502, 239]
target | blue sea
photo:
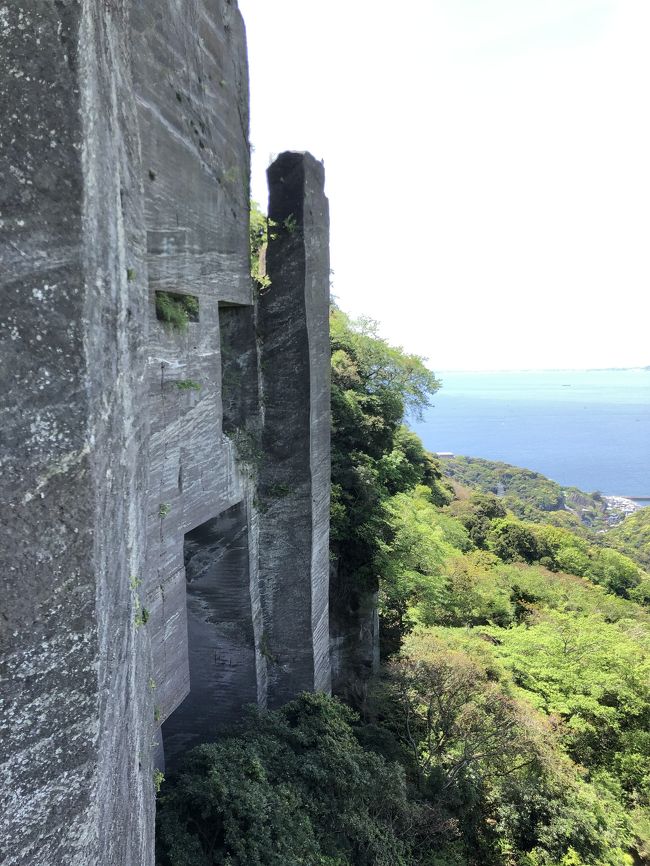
[587, 428]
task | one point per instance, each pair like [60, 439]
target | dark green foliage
[187, 385]
[249, 447]
[513, 541]
[477, 514]
[293, 787]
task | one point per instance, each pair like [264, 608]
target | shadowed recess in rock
[221, 645]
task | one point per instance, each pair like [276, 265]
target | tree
[293, 786]
[374, 386]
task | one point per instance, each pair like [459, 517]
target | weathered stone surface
[74, 716]
[294, 474]
[191, 90]
[131, 450]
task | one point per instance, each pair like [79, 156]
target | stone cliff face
[165, 477]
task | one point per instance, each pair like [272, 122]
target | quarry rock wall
[165, 427]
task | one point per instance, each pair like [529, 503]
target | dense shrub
[292, 787]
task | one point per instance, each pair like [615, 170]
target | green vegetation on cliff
[632, 537]
[511, 723]
[374, 456]
[530, 495]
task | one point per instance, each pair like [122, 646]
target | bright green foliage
[593, 674]
[177, 310]
[374, 456]
[388, 376]
[411, 563]
[492, 765]
[514, 727]
[259, 237]
[529, 495]
[513, 540]
[617, 572]
[293, 787]
[541, 624]
[632, 537]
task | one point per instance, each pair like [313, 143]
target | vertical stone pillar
[295, 462]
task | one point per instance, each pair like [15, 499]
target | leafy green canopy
[492, 763]
[374, 386]
[530, 495]
[569, 649]
[292, 787]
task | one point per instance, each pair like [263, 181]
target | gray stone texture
[295, 472]
[143, 466]
[74, 715]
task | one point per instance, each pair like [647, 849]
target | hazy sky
[487, 163]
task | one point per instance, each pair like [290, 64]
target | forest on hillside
[509, 724]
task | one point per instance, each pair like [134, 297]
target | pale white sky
[487, 164]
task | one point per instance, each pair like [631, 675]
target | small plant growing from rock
[260, 229]
[279, 491]
[158, 779]
[177, 311]
[187, 385]
[164, 509]
[249, 451]
[231, 175]
[266, 650]
[290, 224]
[141, 617]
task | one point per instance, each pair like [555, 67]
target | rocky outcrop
[165, 436]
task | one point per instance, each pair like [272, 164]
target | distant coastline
[588, 429]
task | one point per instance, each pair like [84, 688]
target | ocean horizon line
[642, 369]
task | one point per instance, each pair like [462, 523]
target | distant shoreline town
[618, 506]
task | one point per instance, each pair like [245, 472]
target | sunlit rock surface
[158, 482]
